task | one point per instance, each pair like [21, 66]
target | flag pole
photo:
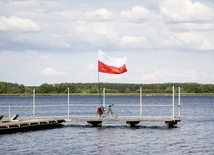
[99, 87]
[98, 77]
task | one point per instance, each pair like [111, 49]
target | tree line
[94, 88]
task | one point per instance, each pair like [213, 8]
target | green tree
[45, 88]
[127, 90]
[93, 90]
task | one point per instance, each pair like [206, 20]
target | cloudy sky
[47, 41]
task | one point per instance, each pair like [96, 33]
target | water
[193, 135]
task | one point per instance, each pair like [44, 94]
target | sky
[48, 41]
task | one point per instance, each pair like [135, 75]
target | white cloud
[137, 14]
[51, 72]
[69, 15]
[194, 40]
[96, 34]
[133, 40]
[98, 15]
[189, 39]
[132, 27]
[207, 44]
[183, 27]
[14, 23]
[186, 10]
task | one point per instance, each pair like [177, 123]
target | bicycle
[107, 113]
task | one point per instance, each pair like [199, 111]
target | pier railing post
[34, 104]
[179, 103]
[173, 103]
[68, 104]
[9, 112]
[104, 97]
[141, 104]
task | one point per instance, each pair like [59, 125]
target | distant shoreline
[110, 94]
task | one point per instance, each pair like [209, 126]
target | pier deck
[129, 120]
[34, 124]
[29, 124]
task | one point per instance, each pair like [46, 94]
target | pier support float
[95, 123]
[171, 123]
[132, 123]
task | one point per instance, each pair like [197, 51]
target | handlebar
[111, 105]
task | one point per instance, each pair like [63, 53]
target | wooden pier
[37, 124]
[12, 124]
[26, 125]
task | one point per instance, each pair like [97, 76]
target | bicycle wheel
[113, 114]
[99, 116]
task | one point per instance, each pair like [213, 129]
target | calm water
[193, 135]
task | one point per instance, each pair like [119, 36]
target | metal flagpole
[99, 91]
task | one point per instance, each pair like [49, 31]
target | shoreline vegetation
[110, 94]
[111, 89]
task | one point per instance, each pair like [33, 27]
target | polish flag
[111, 65]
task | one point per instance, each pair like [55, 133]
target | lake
[193, 135]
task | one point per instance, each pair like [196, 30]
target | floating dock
[12, 124]
[26, 125]
[37, 124]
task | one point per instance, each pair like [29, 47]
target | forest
[95, 88]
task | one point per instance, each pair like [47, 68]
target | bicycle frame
[108, 113]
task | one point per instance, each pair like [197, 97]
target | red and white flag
[111, 65]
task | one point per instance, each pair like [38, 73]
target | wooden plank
[25, 125]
